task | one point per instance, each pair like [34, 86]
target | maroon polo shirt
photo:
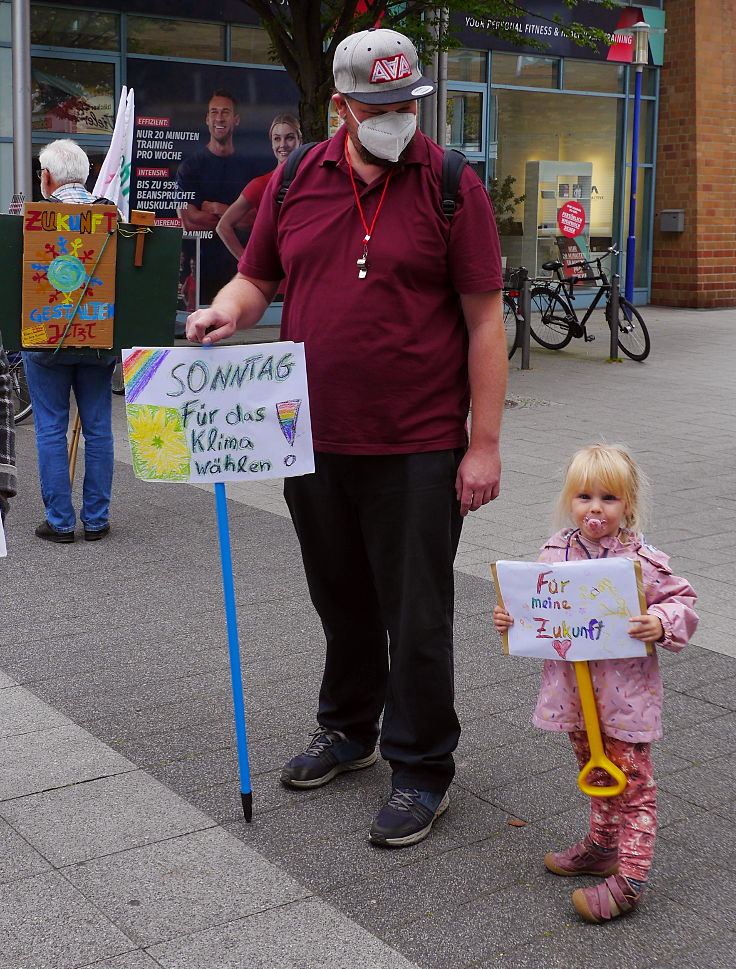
[386, 355]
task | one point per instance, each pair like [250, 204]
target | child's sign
[221, 414]
[571, 610]
[68, 275]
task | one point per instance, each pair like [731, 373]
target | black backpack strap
[453, 163]
[291, 165]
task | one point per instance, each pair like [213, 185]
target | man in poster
[215, 175]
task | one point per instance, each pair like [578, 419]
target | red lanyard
[362, 263]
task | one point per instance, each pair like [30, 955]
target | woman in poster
[285, 135]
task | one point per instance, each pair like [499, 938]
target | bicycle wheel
[633, 336]
[550, 326]
[20, 394]
[510, 324]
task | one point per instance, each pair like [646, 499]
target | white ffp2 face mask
[386, 135]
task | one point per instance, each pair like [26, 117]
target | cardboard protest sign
[68, 275]
[218, 414]
[571, 610]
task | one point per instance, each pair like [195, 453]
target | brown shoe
[584, 858]
[50, 534]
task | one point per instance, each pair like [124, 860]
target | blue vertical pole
[631, 241]
[226, 561]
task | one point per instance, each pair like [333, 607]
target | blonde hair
[613, 468]
[286, 118]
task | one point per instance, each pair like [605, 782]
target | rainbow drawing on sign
[139, 369]
[287, 412]
[158, 442]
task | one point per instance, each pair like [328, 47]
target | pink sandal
[583, 858]
[607, 900]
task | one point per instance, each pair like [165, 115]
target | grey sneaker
[407, 817]
[584, 858]
[328, 753]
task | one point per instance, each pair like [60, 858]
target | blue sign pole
[226, 562]
[640, 36]
[631, 240]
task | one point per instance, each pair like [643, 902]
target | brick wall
[696, 157]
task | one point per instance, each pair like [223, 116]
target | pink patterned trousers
[629, 821]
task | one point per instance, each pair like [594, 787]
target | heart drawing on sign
[561, 646]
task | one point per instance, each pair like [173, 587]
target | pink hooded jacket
[628, 692]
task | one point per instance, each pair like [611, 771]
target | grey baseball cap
[379, 66]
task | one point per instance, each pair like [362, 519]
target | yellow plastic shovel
[597, 754]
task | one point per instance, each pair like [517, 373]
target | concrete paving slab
[136, 959]
[183, 885]
[21, 712]
[54, 758]
[113, 814]
[308, 933]
[48, 924]
[18, 859]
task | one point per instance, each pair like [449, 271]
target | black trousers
[378, 536]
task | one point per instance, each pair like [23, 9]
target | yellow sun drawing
[158, 442]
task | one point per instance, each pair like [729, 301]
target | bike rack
[613, 310]
[525, 305]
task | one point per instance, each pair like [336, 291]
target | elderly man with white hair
[51, 378]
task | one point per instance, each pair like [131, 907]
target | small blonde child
[602, 499]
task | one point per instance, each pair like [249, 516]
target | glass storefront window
[593, 76]
[648, 78]
[5, 23]
[467, 65]
[72, 96]
[646, 111]
[642, 224]
[6, 84]
[96, 157]
[523, 70]
[578, 135]
[464, 120]
[176, 38]
[6, 175]
[250, 45]
[55, 27]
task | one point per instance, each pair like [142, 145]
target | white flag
[113, 182]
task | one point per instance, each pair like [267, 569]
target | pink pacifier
[595, 524]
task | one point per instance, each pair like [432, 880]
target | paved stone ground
[121, 841]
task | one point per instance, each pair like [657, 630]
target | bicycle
[555, 322]
[20, 394]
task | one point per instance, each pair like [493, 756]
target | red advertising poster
[571, 253]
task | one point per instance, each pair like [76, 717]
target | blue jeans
[50, 383]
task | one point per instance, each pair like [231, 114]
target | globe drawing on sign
[66, 270]
[66, 273]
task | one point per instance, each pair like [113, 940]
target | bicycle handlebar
[611, 251]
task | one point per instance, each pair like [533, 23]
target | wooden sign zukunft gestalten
[68, 275]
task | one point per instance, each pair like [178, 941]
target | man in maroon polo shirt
[400, 314]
